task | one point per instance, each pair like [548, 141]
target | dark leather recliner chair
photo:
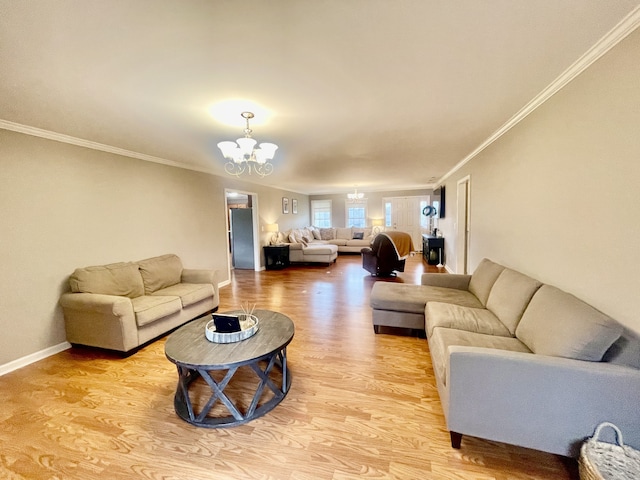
[381, 259]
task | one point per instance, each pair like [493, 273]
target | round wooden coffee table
[196, 357]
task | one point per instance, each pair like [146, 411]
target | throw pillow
[344, 233]
[306, 232]
[327, 233]
[316, 234]
[292, 238]
[358, 235]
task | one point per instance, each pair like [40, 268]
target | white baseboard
[32, 358]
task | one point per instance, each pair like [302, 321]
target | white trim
[59, 137]
[32, 358]
[625, 27]
[606, 43]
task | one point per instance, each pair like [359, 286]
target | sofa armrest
[192, 275]
[115, 305]
[105, 321]
[453, 280]
[536, 401]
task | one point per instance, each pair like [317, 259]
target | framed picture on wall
[285, 205]
[294, 205]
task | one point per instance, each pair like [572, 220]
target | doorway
[405, 215]
[242, 230]
[463, 224]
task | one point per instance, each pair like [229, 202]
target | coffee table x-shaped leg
[186, 376]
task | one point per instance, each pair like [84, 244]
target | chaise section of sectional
[402, 305]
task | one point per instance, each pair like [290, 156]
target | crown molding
[625, 27]
[60, 137]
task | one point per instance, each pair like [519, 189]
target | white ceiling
[382, 94]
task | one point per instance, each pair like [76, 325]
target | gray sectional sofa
[123, 305]
[518, 361]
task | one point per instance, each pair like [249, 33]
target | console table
[433, 249]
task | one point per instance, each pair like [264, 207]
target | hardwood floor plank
[361, 405]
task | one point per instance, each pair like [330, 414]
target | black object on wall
[439, 194]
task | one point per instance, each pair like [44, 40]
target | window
[356, 214]
[387, 214]
[321, 213]
[425, 221]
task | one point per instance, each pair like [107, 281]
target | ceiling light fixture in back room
[355, 196]
[243, 157]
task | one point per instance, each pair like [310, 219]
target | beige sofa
[322, 245]
[517, 361]
[121, 306]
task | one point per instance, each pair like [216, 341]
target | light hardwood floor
[361, 405]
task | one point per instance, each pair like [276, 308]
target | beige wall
[64, 206]
[558, 196]
[375, 207]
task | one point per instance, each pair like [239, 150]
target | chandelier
[355, 196]
[244, 157]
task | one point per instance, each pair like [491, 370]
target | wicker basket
[607, 461]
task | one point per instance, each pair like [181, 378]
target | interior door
[241, 220]
[462, 223]
[406, 217]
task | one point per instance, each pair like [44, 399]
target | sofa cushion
[340, 242]
[151, 308]
[413, 298]
[160, 272]
[345, 233]
[358, 243]
[558, 324]
[443, 338]
[320, 249]
[483, 279]
[478, 320]
[189, 293]
[122, 279]
[510, 295]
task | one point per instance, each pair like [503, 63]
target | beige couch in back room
[312, 244]
[121, 306]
